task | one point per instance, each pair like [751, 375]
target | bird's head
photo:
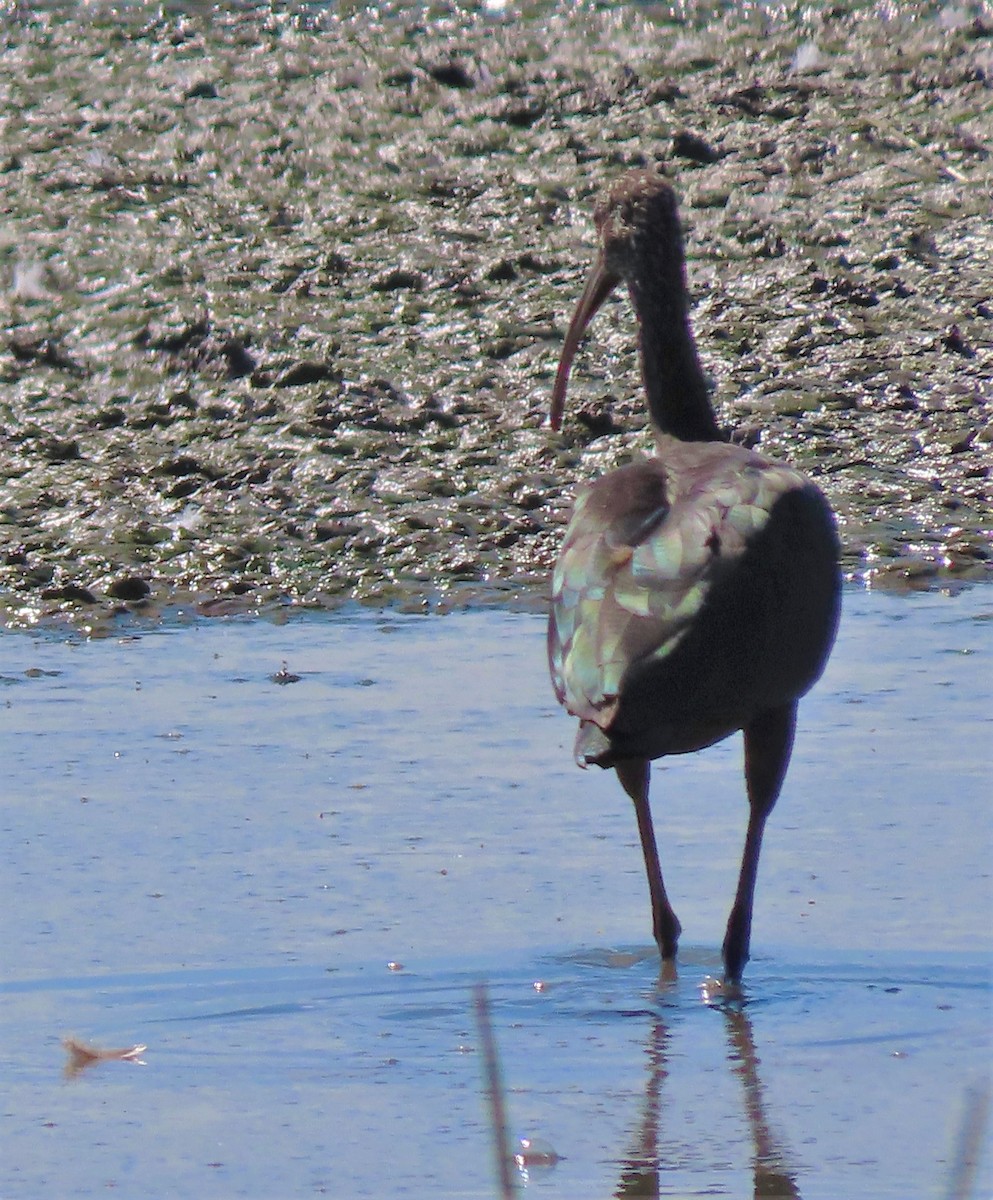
[635, 218]
[637, 222]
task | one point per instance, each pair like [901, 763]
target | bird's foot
[667, 973]
[737, 943]
[719, 992]
[667, 930]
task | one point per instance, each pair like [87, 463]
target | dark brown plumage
[697, 592]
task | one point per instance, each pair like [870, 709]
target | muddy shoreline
[283, 296]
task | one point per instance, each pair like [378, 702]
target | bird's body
[696, 592]
[672, 599]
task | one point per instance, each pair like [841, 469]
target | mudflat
[284, 294]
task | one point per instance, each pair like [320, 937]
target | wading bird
[697, 592]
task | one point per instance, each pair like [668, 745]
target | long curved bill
[599, 284]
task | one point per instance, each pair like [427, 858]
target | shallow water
[222, 866]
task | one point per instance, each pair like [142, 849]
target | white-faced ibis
[697, 592]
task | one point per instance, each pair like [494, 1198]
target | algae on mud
[285, 293]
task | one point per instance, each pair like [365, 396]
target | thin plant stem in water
[975, 1119]
[494, 1092]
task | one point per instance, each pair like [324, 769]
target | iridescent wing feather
[644, 547]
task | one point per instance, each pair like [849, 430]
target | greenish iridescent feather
[643, 548]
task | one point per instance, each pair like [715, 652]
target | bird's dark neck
[674, 381]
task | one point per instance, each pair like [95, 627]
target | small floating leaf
[83, 1055]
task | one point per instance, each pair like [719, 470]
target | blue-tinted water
[222, 866]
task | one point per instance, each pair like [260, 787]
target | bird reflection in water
[643, 1168]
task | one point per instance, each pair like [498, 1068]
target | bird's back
[693, 590]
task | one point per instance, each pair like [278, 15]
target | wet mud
[283, 293]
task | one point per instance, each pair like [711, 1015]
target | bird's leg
[634, 774]
[768, 743]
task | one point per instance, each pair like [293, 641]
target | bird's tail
[593, 746]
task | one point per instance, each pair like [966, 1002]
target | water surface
[204, 856]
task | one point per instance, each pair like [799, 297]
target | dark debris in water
[289, 332]
[285, 676]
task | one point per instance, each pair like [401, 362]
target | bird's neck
[676, 389]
